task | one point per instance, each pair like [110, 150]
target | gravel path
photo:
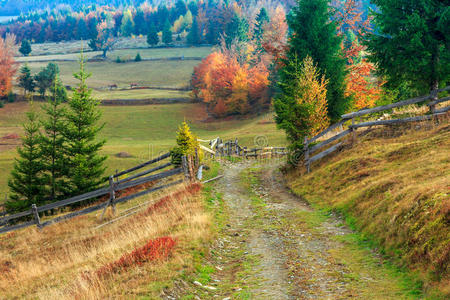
[294, 262]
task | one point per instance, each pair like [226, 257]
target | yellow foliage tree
[187, 143]
[314, 95]
[301, 110]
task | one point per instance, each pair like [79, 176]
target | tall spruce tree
[193, 37]
[27, 183]
[53, 144]
[152, 37]
[314, 34]
[411, 43]
[139, 22]
[84, 161]
[167, 33]
[261, 20]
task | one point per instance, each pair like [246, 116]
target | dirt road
[294, 262]
[273, 245]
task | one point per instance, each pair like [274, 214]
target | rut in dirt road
[294, 263]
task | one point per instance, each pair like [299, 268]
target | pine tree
[186, 144]
[26, 81]
[138, 57]
[261, 20]
[193, 36]
[301, 109]
[84, 161]
[237, 30]
[167, 33]
[314, 35]
[411, 43]
[139, 23]
[27, 183]
[53, 144]
[25, 48]
[152, 37]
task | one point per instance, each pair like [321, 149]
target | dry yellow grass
[49, 264]
[392, 185]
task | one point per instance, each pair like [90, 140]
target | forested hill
[17, 7]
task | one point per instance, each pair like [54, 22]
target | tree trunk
[434, 77]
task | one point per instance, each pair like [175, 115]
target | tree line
[59, 156]
[196, 21]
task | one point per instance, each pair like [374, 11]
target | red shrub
[157, 249]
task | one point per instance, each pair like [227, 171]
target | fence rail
[112, 188]
[311, 147]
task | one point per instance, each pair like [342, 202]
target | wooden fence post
[112, 194]
[197, 159]
[306, 149]
[433, 97]
[184, 165]
[112, 197]
[36, 215]
[191, 167]
[353, 131]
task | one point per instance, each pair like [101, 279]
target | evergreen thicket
[59, 156]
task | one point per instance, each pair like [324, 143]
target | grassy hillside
[141, 131]
[74, 260]
[393, 186]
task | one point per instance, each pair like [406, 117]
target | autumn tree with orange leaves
[229, 86]
[234, 79]
[361, 84]
[7, 67]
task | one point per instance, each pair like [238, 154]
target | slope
[393, 186]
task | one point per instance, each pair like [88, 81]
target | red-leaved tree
[7, 66]
[361, 84]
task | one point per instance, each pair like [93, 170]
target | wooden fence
[231, 148]
[311, 146]
[116, 183]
